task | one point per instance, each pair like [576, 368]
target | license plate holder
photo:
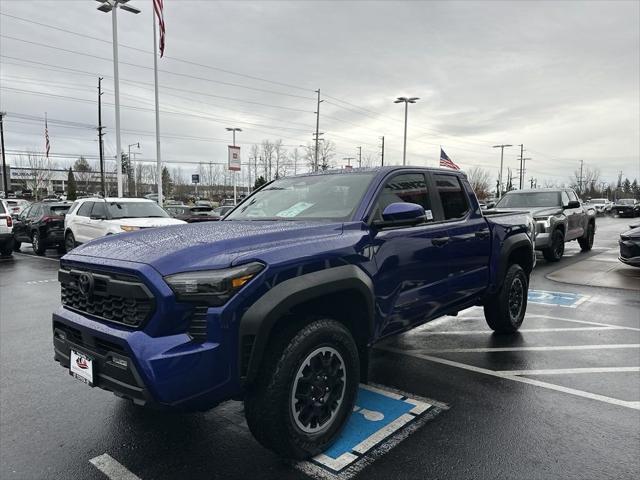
[81, 366]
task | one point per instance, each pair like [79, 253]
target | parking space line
[112, 468]
[525, 330]
[542, 349]
[36, 256]
[573, 320]
[529, 381]
[570, 320]
[570, 371]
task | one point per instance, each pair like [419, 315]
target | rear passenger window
[408, 187]
[85, 209]
[452, 196]
[99, 210]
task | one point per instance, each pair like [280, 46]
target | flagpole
[155, 74]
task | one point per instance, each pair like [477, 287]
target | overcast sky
[561, 77]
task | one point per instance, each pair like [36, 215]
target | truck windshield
[329, 196]
[533, 199]
[135, 210]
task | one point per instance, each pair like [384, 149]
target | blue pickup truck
[280, 303]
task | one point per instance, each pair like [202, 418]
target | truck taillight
[51, 219]
[9, 221]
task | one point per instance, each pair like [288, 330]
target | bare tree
[280, 154]
[326, 152]
[294, 158]
[254, 153]
[40, 173]
[590, 177]
[267, 157]
[480, 180]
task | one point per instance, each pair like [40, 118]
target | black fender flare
[258, 321]
[510, 244]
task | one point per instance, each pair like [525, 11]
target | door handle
[482, 234]
[440, 241]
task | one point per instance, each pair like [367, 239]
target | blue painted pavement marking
[378, 414]
[562, 299]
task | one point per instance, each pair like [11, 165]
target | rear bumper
[163, 372]
[55, 236]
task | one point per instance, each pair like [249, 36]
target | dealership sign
[234, 158]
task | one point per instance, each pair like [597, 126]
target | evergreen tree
[626, 186]
[259, 182]
[71, 186]
[166, 182]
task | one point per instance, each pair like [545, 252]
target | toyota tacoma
[279, 303]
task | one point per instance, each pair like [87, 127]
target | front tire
[69, 242]
[586, 242]
[305, 390]
[556, 250]
[38, 245]
[505, 310]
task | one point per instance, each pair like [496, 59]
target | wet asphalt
[562, 424]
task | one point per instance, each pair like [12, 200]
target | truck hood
[199, 246]
[145, 222]
[534, 211]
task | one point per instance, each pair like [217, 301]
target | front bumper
[543, 240]
[165, 372]
[629, 252]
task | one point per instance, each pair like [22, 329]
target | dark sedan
[191, 214]
[42, 225]
[627, 207]
[630, 247]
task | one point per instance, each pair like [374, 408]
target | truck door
[468, 248]
[575, 218]
[411, 274]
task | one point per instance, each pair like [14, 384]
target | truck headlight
[213, 287]
[129, 228]
[544, 221]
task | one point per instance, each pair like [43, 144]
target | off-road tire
[268, 401]
[6, 248]
[586, 242]
[69, 241]
[501, 312]
[39, 247]
[556, 250]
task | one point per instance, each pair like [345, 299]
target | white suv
[6, 230]
[91, 218]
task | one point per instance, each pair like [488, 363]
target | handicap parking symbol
[562, 299]
[376, 417]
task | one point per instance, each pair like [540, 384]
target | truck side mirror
[573, 204]
[401, 214]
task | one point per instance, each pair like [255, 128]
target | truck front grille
[113, 297]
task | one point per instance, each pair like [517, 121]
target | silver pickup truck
[559, 217]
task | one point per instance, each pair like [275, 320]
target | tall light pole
[406, 101]
[106, 7]
[501, 147]
[235, 174]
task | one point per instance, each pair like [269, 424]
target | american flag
[445, 161]
[157, 6]
[47, 144]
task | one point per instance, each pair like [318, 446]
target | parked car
[627, 207]
[603, 206]
[630, 246]
[16, 206]
[279, 302]
[191, 214]
[220, 212]
[6, 230]
[41, 225]
[559, 216]
[91, 218]
[204, 203]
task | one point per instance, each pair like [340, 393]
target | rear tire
[505, 310]
[69, 242]
[38, 245]
[586, 242]
[305, 390]
[556, 250]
